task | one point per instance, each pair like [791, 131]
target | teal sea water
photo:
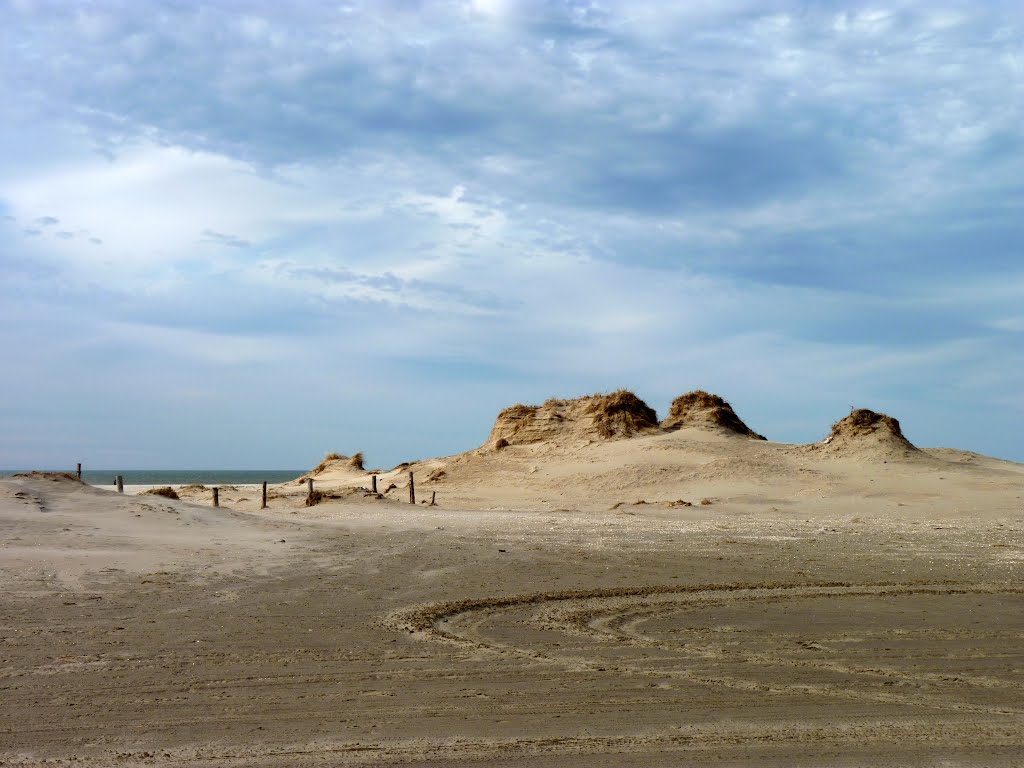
[181, 476]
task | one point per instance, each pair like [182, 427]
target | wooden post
[374, 478]
[120, 484]
[309, 493]
[79, 470]
[216, 496]
[412, 489]
[433, 499]
[263, 503]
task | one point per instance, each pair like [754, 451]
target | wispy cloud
[219, 238]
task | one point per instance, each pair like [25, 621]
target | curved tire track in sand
[669, 633]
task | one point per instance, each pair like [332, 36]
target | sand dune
[561, 456]
[603, 589]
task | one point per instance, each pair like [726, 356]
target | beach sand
[568, 602]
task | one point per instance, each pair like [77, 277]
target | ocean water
[180, 476]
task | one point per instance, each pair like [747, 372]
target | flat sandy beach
[567, 602]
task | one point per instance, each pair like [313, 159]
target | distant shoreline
[158, 477]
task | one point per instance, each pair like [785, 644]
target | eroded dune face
[617, 415]
[594, 417]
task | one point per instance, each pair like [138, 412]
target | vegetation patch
[621, 414]
[167, 492]
[53, 476]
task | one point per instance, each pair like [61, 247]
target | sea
[179, 476]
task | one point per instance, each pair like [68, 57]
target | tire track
[608, 621]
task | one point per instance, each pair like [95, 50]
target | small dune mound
[615, 415]
[334, 461]
[705, 410]
[167, 492]
[866, 433]
[329, 459]
[52, 476]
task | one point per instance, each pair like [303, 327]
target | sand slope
[569, 602]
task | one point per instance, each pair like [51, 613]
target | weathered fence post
[263, 503]
[309, 493]
[433, 499]
[374, 479]
[79, 470]
[412, 489]
[216, 496]
[120, 484]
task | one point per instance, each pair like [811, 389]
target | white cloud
[151, 203]
[184, 345]
[1014, 324]
[491, 7]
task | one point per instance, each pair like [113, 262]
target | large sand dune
[599, 589]
[561, 455]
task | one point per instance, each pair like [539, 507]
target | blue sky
[243, 234]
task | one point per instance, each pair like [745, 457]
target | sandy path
[142, 631]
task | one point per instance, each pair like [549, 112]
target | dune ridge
[608, 450]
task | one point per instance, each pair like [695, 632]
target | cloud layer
[249, 233]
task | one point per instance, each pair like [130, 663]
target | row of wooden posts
[119, 482]
[309, 491]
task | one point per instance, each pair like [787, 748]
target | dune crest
[596, 417]
[705, 410]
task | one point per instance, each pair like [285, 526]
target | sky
[244, 234]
